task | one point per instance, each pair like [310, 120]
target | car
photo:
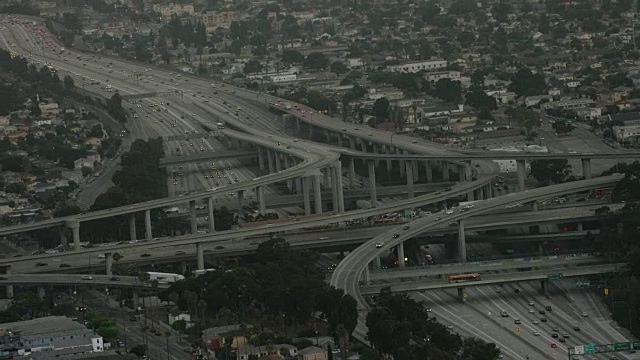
[556, 329]
[531, 303]
[114, 278]
[541, 312]
[562, 340]
[548, 308]
[554, 335]
[395, 236]
[554, 345]
[544, 319]
[87, 277]
[535, 333]
[65, 265]
[414, 141]
[40, 264]
[406, 227]
[449, 212]
[576, 328]
[565, 335]
[379, 245]
[145, 255]
[531, 311]
[536, 322]
[133, 318]
[517, 321]
[584, 314]
[504, 313]
[180, 252]
[219, 247]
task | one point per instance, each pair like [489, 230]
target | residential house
[216, 19]
[354, 63]
[536, 99]
[82, 163]
[433, 77]
[312, 353]
[626, 128]
[94, 142]
[414, 67]
[173, 9]
[570, 104]
[266, 352]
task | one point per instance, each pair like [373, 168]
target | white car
[584, 314]
[449, 212]
[87, 277]
[535, 333]
[379, 245]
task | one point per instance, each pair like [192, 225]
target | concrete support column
[183, 267]
[377, 264]
[445, 171]
[62, 231]
[212, 223]
[135, 299]
[586, 168]
[461, 295]
[580, 227]
[297, 126]
[260, 159]
[372, 183]
[200, 256]
[410, 189]
[317, 193]
[7, 271]
[132, 226]
[74, 225]
[352, 142]
[262, 206]
[462, 173]
[278, 162]
[543, 287]
[522, 173]
[488, 192]
[540, 249]
[286, 166]
[41, 292]
[429, 171]
[108, 262]
[298, 185]
[337, 174]
[365, 276]
[147, 224]
[375, 150]
[327, 181]
[462, 242]
[471, 195]
[352, 174]
[334, 186]
[388, 150]
[240, 197]
[192, 215]
[480, 194]
[305, 195]
[270, 161]
[534, 206]
[416, 172]
[401, 163]
[401, 255]
[328, 135]
[340, 144]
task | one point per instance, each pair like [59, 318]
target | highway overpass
[130, 282]
[492, 279]
[207, 156]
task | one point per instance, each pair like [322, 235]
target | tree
[252, 66]
[563, 127]
[526, 83]
[619, 79]
[381, 108]
[338, 67]
[477, 349]
[448, 90]
[466, 38]
[316, 60]
[550, 171]
[68, 83]
[525, 117]
[292, 57]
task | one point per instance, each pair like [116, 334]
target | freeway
[199, 157]
[131, 282]
[348, 272]
[482, 267]
[423, 285]
[163, 251]
[317, 156]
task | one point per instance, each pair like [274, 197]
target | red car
[553, 345]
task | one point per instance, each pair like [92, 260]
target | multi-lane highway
[204, 105]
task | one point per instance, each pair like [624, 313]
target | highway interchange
[256, 122]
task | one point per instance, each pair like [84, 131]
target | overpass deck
[207, 156]
[77, 280]
[494, 279]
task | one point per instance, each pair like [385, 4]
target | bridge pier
[375, 150]
[310, 131]
[41, 292]
[108, 262]
[480, 193]
[192, 216]
[389, 165]
[9, 288]
[400, 249]
[462, 173]
[317, 194]
[74, 225]
[327, 182]
[461, 295]
[199, 256]
[260, 159]
[330, 174]
[240, 196]
[543, 287]
[586, 168]
[328, 135]
[401, 163]
[147, 224]
[352, 173]
[270, 161]
[297, 126]
[212, 223]
[366, 279]
[337, 175]
[429, 171]
[305, 195]
[286, 166]
[372, 183]
[540, 249]
[462, 242]
[416, 171]
[340, 144]
[135, 299]
[278, 162]
[352, 142]
[132, 227]
[298, 185]
[262, 207]
[521, 166]
[471, 195]
[62, 231]
[445, 171]
[410, 188]
[580, 227]
[534, 206]
[377, 263]
[183, 267]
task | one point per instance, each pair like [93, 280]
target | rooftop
[45, 325]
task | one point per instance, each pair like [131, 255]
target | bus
[463, 277]
[165, 278]
[220, 125]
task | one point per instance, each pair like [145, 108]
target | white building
[433, 77]
[173, 9]
[418, 66]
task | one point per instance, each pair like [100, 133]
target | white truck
[287, 106]
[164, 278]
